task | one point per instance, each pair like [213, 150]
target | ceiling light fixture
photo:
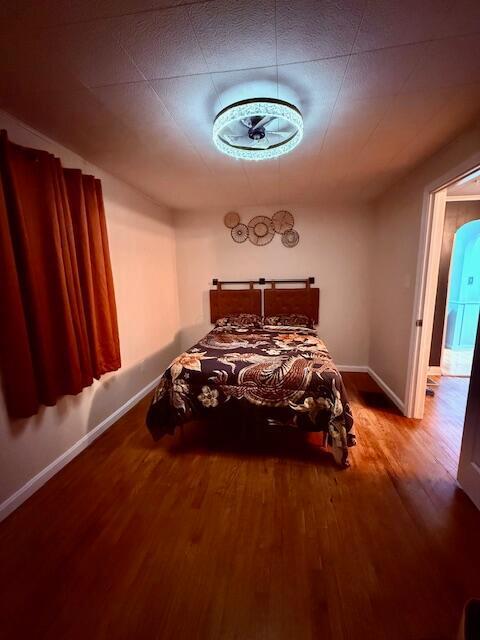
[258, 129]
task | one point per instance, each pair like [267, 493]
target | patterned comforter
[280, 375]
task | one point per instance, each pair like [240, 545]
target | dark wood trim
[307, 281]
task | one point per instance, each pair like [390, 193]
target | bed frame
[276, 301]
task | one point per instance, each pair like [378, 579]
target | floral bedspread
[283, 375]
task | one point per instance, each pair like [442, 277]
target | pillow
[289, 320]
[240, 320]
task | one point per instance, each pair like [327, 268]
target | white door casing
[429, 265]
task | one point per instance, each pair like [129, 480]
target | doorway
[463, 301]
[446, 317]
[445, 353]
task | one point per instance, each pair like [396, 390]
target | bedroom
[240, 531]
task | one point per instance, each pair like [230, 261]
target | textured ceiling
[134, 86]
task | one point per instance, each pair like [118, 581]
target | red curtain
[58, 322]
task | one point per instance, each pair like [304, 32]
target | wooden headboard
[285, 301]
[227, 302]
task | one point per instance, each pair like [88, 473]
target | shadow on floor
[378, 400]
[211, 438]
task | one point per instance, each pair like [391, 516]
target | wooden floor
[219, 539]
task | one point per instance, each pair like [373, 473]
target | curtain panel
[58, 321]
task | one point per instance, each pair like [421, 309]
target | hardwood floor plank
[213, 537]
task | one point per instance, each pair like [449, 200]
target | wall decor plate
[290, 238]
[240, 232]
[283, 221]
[260, 230]
[231, 219]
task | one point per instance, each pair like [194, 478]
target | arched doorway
[463, 303]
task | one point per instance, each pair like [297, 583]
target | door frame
[431, 235]
[422, 334]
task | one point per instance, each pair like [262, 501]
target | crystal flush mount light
[258, 129]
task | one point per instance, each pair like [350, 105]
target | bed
[264, 361]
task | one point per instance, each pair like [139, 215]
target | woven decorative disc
[239, 232]
[290, 238]
[261, 230]
[283, 221]
[231, 219]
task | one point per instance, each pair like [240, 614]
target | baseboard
[352, 368]
[14, 501]
[434, 371]
[386, 389]
[356, 368]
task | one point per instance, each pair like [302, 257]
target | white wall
[334, 247]
[142, 250]
[398, 218]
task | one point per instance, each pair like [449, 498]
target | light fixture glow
[244, 111]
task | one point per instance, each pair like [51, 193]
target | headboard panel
[285, 301]
[227, 302]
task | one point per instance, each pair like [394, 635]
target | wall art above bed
[261, 230]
